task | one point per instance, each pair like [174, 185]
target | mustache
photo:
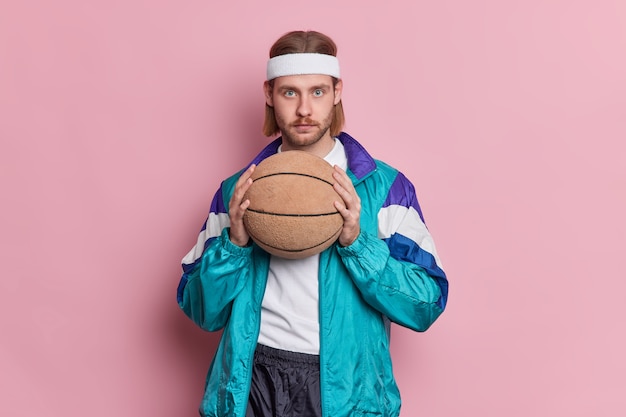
[305, 121]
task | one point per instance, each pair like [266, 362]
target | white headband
[302, 63]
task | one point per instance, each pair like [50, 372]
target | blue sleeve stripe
[181, 288]
[408, 223]
[188, 267]
[405, 249]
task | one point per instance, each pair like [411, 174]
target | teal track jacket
[391, 273]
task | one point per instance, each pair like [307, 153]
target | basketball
[292, 213]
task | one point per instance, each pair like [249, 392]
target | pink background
[118, 119]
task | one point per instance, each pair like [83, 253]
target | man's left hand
[349, 208]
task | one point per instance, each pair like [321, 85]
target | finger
[350, 197]
[344, 181]
[243, 179]
[341, 208]
[241, 190]
[343, 193]
[243, 183]
[349, 216]
[342, 177]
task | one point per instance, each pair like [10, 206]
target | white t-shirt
[289, 311]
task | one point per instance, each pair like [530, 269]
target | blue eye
[290, 93]
[318, 93]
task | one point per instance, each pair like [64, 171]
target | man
[310, 337]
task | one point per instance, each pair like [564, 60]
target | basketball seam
[269, 213]
[299, 250]
[294, 173]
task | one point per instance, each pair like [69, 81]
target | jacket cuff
[231, 248]
[356, 247]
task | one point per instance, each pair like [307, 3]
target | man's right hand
[237, 207]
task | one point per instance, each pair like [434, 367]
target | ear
[267, 89]
[338, 90]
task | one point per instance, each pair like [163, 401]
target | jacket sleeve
[398, 272]
[214, 271]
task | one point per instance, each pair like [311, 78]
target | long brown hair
[303, 42]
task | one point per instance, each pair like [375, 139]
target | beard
[296, 139]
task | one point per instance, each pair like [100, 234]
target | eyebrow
[322, 86]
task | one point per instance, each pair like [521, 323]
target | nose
[304, 107]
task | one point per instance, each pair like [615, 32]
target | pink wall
[119, 118]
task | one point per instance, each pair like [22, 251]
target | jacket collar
[360, 162]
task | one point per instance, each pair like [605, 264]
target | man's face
[304, 108]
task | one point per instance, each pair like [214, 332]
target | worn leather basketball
[292, 212]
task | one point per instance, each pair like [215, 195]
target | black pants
[284, 384]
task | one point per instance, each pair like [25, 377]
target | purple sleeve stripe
[217, 205]
[402, 193]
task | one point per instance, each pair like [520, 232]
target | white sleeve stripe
[214, 226]
[407, 222]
